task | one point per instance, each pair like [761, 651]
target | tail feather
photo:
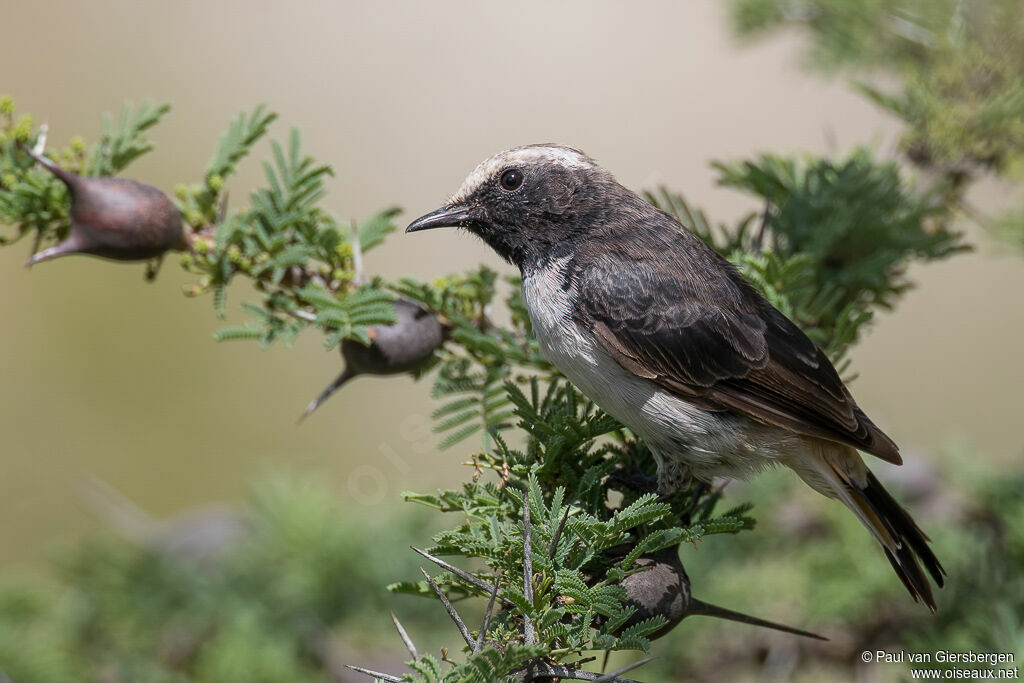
[905, 545]
[901, 520]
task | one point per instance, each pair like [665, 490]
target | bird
[668, 337]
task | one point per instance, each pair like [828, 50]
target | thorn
[404, 635]
[374, 674]
[487, 620]
[702, 608]
[464, 575]
[345, 376]
[47, 254]
[528, 633]
[41, 140]
[302, 315]
[450, 609]
[222, 210]
[357, 255]
[553, 548]
[615, 674]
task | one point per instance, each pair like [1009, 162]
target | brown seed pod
[115, 218]
[663, 588]
[400, 347]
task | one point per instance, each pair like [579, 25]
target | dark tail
[326, 394]
[905, 545]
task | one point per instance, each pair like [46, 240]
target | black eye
[511, 179]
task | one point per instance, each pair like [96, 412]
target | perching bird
[668, 337]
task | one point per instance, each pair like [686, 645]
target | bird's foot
[635, 479]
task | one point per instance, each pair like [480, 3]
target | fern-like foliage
[202, 204]
[31, 198]
[830, 248]
[854, 220]
[123, 142]
[949, 71]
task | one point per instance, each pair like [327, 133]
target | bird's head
[526, 201]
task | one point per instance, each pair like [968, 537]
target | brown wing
[722, 345]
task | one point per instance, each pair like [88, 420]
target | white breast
[708, 443]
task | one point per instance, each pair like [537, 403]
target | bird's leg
[697, 492]
[634, 478]
[673, 476]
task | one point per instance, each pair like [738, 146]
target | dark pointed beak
[445, 217]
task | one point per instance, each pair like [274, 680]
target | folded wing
[716, 341]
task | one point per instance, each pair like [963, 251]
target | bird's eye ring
[511, 179]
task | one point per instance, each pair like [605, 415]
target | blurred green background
[403, 100]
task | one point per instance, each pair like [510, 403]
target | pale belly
[683, 437]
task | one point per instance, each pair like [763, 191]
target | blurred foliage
[959, 70]
[33, 199]
[283, 586]
[809, 561]
[831, 248]
[262, 592]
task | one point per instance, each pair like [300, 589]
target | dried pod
[115, 218]
[663, 588]
[394, 349]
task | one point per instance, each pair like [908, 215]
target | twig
[699, 490]
[553, 548]
[759, 237]
[537, 668]
[487, 620]
[450, 609]
[464, 575]
[222, 210]
[404, 635]
[528, 633]
[613, 676]
[705, 505]
[375, 674]
[580, 662]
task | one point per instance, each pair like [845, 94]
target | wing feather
[720, 344]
